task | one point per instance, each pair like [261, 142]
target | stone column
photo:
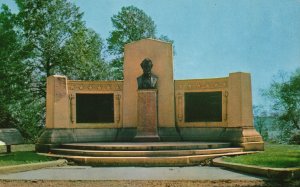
[161, 54]
[240, 115]
[57, 103]
[240, 100]
[147, 116]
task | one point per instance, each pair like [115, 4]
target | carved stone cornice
[201, 84]
[95, 85]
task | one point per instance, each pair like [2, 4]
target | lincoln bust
[147, 80]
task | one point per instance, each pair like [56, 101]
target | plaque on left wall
[94, 108]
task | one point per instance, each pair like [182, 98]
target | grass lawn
[21, 154]
[275, 156]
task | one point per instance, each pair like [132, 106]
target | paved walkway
[129, 173]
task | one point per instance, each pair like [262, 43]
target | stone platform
[144, 153]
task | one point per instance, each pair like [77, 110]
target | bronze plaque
[203, 106]
[94, 108]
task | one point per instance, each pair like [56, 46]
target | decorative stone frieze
[201, 84]
[95, 85]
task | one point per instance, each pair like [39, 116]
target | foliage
[42, 39]
[59, 42]
[260, 121]
[285, 97]
[12, 71]
[295, 138]
[130, 24]
[275, 156]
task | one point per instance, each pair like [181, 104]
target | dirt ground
[218, 183]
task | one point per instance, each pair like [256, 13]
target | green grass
[24, 157]
[275, 156]
[21, 154]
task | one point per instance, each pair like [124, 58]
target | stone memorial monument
[149, 105]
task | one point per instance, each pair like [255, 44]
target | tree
[15, 96]
[12, 71]
[89, 64]
[130, 24]
[42, 39]
[260, 121]
[285, 97]
[59, 42]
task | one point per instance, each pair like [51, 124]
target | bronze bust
[147, 80]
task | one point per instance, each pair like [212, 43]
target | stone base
[169, 134]
[50, 138]
[248, 138]
[253, 146]
[126, 134]
[146, 138]
[251, 140]
[45, 148]
[54, 137]
[166, 134]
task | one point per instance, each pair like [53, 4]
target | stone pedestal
[147, 116]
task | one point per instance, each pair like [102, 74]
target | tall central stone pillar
[147, 116]
[161, 54]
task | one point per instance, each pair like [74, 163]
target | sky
[213, 38]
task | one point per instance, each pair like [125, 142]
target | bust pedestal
[147, 116]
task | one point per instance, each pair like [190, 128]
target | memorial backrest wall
[161, 55]
[227, 101]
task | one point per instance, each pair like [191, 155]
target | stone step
[143, 153]
[146, 146]
[155, 153]
[143, 161]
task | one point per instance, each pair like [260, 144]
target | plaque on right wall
[203, 106]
